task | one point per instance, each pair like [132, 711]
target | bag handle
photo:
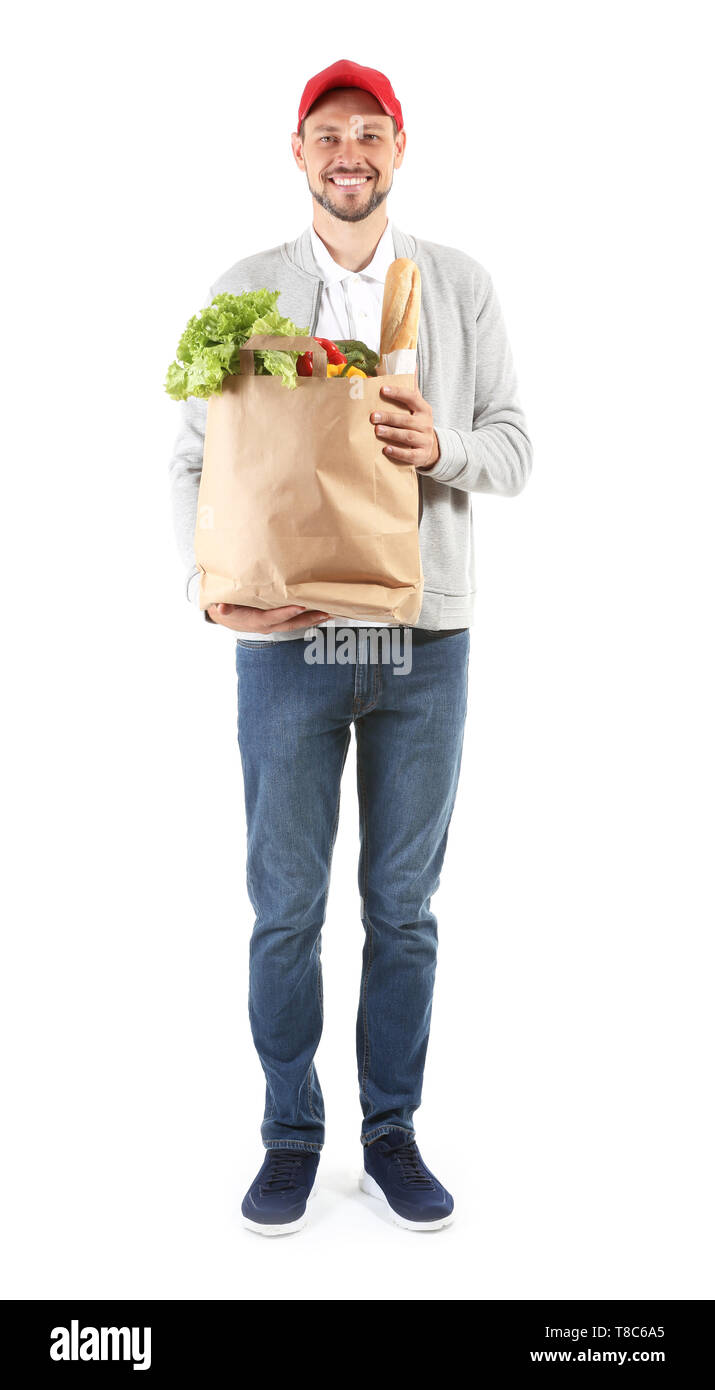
[278, 342]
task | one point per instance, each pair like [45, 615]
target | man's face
[348, 137]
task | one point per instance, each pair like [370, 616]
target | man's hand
[409, 434]
[263, 620]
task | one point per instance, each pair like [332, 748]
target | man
[464, 432]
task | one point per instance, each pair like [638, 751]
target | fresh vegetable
[208, 347]
[305, 361]
[334, 354]
[340, 369]
[359, 355]
[351, 355]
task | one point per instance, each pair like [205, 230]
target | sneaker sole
[373, 1189]
[275, 1228]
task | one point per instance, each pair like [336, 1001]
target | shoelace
[281, 1172]
[411, 1166]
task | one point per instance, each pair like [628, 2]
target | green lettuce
[208, 348]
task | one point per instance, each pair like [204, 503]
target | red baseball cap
[347, 74]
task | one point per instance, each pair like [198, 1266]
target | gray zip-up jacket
[464, 370]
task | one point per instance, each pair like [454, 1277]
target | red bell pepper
[304, 365]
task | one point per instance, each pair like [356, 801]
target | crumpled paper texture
[298, 504]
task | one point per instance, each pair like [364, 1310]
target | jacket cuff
[452, 455]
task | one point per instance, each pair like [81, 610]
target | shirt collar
[333, 273]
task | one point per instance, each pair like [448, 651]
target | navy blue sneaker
[396, 1174]
[276, 1202]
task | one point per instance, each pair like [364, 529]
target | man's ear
[400, 141]
[297, 150]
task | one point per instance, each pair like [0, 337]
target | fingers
[271, 616]
[405, 420]
[408, 439]
[409, 445]
[242, 618]
[308, 618]
[403, 393]
[395, 455]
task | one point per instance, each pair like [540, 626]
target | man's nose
[350, 149]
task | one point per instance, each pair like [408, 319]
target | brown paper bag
[297, 502]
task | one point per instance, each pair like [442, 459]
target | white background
[567, 1100]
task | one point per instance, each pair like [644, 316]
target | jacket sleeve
[184, 479]
[496, 454]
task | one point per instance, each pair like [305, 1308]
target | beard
[345, 212]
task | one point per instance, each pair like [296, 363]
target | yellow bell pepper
[335, 368]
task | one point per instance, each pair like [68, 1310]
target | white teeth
[348, 183]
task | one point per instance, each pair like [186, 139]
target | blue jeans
[294, 722]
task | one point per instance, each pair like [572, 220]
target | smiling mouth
[349, 182]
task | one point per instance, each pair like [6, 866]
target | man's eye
[368, 136]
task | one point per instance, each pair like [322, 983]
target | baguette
[400, 307]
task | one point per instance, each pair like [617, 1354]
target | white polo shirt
[350, 307]
[351, 302]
